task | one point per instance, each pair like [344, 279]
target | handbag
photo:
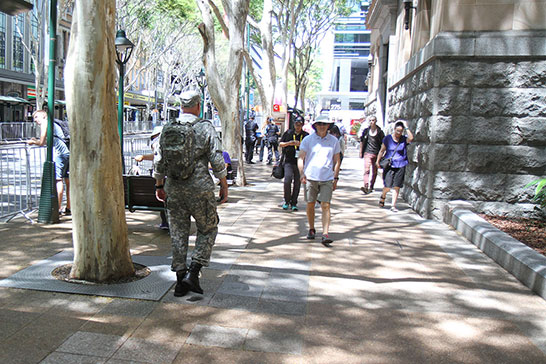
[278, 169]
[386, 163]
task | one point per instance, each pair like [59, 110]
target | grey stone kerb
[522, 262]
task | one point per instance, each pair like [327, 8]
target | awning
[13, 100]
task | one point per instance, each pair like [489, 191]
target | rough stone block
[507, 209]
[482, 73]
[515, 191]
[468, 186]
[436, 209]
[529, 74]
[453, 101]
[529, 131]
[424, 106]
[509, 102]
[449, 157]
[492, 74]
[506, 159]
[421, 129]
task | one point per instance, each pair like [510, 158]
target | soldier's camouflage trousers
[202, 206]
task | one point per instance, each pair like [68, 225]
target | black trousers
[291, 178]
[249, 143]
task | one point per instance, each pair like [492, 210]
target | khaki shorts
[321, 191]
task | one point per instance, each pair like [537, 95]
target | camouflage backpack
[177, 147]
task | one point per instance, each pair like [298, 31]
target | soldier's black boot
[191, 280]
[180, 289]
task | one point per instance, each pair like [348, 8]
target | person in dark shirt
[290, 144]
[250, 132]
[370, 144]
[272, 140]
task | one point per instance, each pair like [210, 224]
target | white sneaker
[394, 209]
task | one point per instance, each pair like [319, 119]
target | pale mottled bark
[267, 82]
[101, 246]
[224, 89]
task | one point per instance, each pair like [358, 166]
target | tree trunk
[101, 245]
[224, 91]
[269, 73]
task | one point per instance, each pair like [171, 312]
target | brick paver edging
[527, 265]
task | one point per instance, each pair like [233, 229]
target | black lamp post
[202, 83]
[408, 5]
[124, 48]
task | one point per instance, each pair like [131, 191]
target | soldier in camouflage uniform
[193, 196]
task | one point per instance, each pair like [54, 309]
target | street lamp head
[124, 47]
[201, 79]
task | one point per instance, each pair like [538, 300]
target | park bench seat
[140, 194]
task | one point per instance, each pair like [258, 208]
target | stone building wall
[480, 132]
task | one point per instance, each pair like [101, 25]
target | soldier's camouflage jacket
[208, 148]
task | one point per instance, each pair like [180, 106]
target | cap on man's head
[157, 130]
[323, 119]
[298, 119]
[190, 98]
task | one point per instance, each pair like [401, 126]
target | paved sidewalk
[394, 288]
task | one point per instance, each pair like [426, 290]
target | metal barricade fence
[21, 168]
[18, 130]
[134, 145]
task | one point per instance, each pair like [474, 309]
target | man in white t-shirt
[319, 164]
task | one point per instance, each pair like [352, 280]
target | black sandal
[382, 201]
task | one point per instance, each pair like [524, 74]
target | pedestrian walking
[251, 127]
[334, 130]
[290, 144]
[272, 140]
[319, 165]
[61, 154]
[394, 146]
[370, 144]
[186, 147]
[164, 225]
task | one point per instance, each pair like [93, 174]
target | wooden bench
[140, 194]
[140, 191]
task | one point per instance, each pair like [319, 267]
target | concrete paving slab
[147, 351]
[274, 342]
[224, 337]
[66, 358]
[277, 307]
[92, 344]
[231, 301]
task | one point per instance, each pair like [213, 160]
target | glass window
[359, 73]
[18, 49]
[2, 40]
